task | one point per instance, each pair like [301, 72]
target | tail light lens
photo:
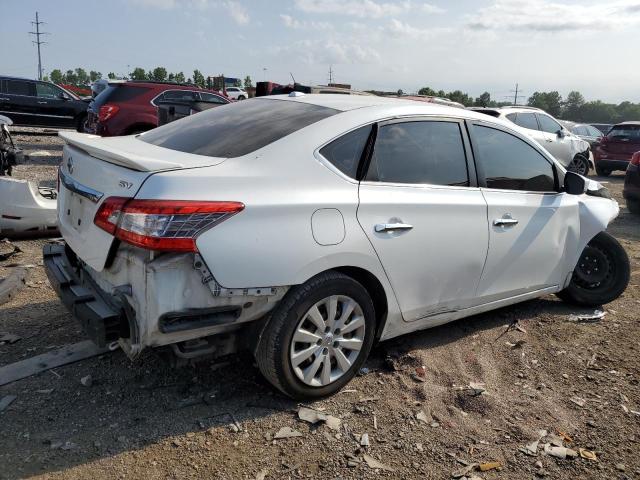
[163, 225]
[635, 159]
[107, 111]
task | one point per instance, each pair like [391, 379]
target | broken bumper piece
[102, 316]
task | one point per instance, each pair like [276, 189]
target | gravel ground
[577, 381]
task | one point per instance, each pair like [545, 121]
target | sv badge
[125, 184]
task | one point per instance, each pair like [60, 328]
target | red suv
[125, 108]
[617, 147]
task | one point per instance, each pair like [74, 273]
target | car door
[533, 227]
[558, 145]
[54, 107]
[19, 101]
[426, 218]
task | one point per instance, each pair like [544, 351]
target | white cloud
[364, 8]
[327, 52]
[399, 29]
[554, 16]
[294, 23]
[237, 11]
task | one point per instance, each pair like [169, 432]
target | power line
[515, 95]
[38, 42]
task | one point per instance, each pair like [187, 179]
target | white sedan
[307, 227]
[237, 93]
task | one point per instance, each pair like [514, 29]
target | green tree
[400, 92]
[56, 75]
[550, 102]
[180, 77]
[159, 74]
[198, 78]
[483, 100]
[70, 77]
[171, 77]
[93, 75]
[111, 76]
[429, 92]
[83, 78]
[598, 112]
[247, 82]
[572, 106]
[460, 97]
[46, 78]
[138, 74]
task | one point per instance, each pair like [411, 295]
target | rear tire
[81, 124]
[634, 206]
[601, 275]
[284, 339]
[602, 172]
[242, 97]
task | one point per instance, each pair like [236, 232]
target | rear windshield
[238, 128]
[118, 93]
[625, 132]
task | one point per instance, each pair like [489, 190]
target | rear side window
[548, 124]
[19, 87]
[427, 152]
[625, 133]
[527, 120]
[177, 95]
[345, 152]
[510, 163]
[211, 98]
[115, 93]
[238, 128]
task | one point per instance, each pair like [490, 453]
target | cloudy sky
[473, 45]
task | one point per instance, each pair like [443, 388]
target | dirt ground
[145, 420]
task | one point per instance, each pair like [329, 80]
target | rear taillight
[635, 159]
[166, 225]
[107, 111]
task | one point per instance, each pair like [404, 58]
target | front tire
[318, 337]
[242, 97]
[579, 165]
[601, 275]
[634, 206]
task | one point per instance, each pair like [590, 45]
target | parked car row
[406, 215]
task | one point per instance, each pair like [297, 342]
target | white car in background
[569, 149]
[237, 93]
[339, 221]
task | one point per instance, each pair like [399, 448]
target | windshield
[237, 129]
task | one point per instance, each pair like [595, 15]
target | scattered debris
[262, 474]
[594, 317]
[363, 371]
[364, 440]
[489, 466]
[9, 338]
[589, 455]
[476, 388]
[421, 416]
[531, 448]
[464, 471]
[12, 284]
[6, 255]
[313, 416]
[287, 432]
[6, 401]
[620, 467]
[87, 381]
[581, 402]
[559, 452]
[56, 358]
[375, 464]
[518, 344]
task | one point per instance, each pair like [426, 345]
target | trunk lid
[623, 140]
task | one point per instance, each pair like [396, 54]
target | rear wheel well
[371, 283]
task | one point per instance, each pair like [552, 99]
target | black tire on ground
[602, 172]
[80, 124]
[601, 275]
[272, 353]
[634, 206]
[241, 97]
[581, 165]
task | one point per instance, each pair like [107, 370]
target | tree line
[80, 77]
[574, 107]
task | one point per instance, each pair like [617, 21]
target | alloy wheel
[327, 340]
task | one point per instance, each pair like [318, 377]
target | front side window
[548, 124]
[527, 120]
[211, 98]
[425, 152]
[510, 163]
[45, 90]
[593, 131]
[19, 87]
[344, 153]
[238, 128]
[177, 95]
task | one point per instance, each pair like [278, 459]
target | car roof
[634, 122]
[11, 77]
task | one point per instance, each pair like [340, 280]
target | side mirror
[63, 96]
[574, 184]
[561, 133]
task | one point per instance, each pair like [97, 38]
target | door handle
[503, 222]
[41, 103]
[392, 227]
[4, 99]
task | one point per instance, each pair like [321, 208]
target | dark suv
[125, 108]
[617, 147]
[40, 104]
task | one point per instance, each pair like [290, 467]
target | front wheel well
[379, 297]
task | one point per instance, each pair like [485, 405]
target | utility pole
[38, 42]
[516, 96]
[330, 74]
